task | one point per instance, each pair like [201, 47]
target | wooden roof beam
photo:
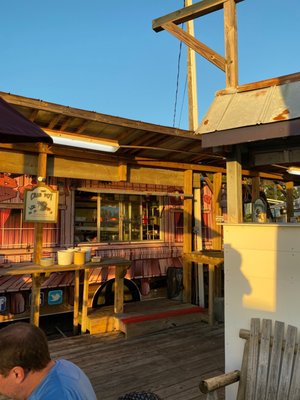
[187, 13]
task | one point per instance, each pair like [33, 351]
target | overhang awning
[15, 128]
[258, 111]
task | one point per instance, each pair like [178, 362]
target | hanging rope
[178, 74]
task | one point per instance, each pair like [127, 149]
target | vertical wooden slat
[275, 361]
[243, 375]
[294, 393]
[287, 363]
[253, 359]
[263, 362]
[231, 52]
[187, 235]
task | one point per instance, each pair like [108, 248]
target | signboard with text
[41, 204]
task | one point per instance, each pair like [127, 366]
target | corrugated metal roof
[252, 107]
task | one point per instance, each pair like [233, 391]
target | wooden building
[140, 201]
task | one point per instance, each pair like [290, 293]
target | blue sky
[102, 55]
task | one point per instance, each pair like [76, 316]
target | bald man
[27, 371]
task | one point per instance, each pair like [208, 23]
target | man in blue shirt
[28, 373]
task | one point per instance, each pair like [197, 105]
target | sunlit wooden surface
[170, 363]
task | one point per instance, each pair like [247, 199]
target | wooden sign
[41, 204]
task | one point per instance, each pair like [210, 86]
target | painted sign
[41, 204]
[55, 297]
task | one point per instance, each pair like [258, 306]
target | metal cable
[177, 83]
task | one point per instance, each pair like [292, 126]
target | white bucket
[65, 257]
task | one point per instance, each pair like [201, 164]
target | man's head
[24, 350]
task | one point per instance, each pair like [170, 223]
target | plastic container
[79, 257]
[47, 261]
[65, 257]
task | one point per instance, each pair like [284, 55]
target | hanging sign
[41, 204]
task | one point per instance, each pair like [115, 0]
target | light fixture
[294, 170]
[84, 142]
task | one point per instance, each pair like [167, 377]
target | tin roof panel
[252, 107]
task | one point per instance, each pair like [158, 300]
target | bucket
[64, 257]
[79, 257]
[87, 251]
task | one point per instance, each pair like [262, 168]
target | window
[109, 217]
[15, 233]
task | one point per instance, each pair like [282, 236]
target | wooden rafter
[33, 115]
[196, 45]
[83, 126]
[54, 121]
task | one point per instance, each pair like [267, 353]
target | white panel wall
[262, 279]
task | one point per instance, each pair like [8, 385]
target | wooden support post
[192, 77]
[234, 190]
[211, 284]
[38, 226]
[119, 289]
[76, 303]
[85, 299]
[255, 188]
[217, 233]
[187, 236]
[289, 200]
[198, 244]
[231, 52]
[217, 211]
[35, 299]
[122, 172]
[38, 243]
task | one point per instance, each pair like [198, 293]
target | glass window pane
[109, 219]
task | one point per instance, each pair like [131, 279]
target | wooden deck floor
[169, 363]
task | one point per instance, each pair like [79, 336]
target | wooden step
[145, 324]
[141, 318]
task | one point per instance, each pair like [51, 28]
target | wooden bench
[270, 366]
